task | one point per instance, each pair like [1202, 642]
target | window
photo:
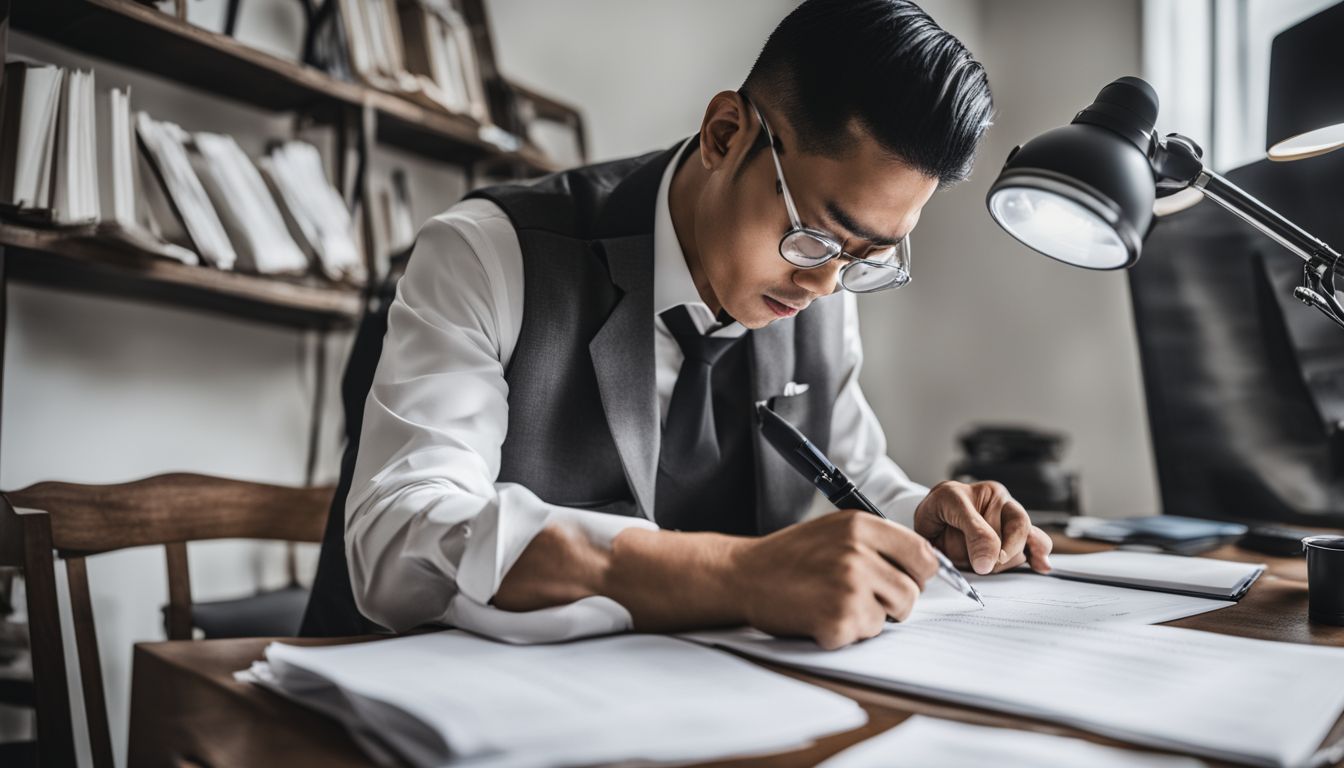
[1209, 61]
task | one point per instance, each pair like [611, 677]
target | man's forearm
[667, 580]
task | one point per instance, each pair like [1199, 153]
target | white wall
[106, 390]
[642, 71]
[991, 332]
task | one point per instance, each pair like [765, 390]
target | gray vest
[582, 406]
[583, 409]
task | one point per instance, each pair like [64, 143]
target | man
[559, 438]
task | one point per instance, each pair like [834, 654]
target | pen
[803, 456]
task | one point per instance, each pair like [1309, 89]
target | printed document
[451, 697]
[1079, 654]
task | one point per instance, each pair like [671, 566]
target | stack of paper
[314, 211]
[48, 162]
[1056, 650]
[1201, 576]
[435, 698]
[246, 208]
[926, 742]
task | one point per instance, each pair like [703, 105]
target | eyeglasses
[880, 268]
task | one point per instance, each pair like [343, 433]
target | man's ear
[726, 130]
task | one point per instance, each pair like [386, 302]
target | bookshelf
[140, 36]
[76, 260]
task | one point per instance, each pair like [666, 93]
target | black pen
[805, 457]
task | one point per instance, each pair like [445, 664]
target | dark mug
[1325, 578]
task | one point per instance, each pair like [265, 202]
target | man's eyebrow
[842, 218]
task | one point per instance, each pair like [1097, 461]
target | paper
[1226, 697]
[1204, 575]
[453, 696]
[1030, 597]
[926, 742]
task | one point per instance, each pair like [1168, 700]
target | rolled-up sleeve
[858, 444]
[430, 533]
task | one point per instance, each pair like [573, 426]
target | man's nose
[821, 281]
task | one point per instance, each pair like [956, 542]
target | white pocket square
[794, 388]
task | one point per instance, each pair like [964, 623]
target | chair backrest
[72, 521]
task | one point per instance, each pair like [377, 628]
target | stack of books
[313, 210]
[71, 159]
[420, 49]
[47, 144]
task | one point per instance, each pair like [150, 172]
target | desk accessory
[1276, 540]
[1325, 579]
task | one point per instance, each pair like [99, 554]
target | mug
[1325, 578]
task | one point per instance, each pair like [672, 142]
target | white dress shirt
[430, 533]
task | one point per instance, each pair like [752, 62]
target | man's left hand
[983, 526]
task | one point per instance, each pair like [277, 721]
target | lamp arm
[1178, 162]
[1316, 253]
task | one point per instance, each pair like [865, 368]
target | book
[30, 101]
[1198, 576]
[313, 210]
[177, 198]
[74, 194]
[246, 209]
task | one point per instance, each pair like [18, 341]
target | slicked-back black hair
[907, 81]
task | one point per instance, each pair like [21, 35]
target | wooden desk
[186, 708]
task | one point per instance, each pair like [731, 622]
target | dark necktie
[689, 443]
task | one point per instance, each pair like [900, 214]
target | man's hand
[982, 526]
[835, 579]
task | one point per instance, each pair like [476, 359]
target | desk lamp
[1083, 193]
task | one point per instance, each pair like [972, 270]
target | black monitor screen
[1244, 384]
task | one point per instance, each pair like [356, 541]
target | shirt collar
[672, 283]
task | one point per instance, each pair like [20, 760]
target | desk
[187, 709]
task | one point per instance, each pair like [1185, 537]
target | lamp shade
[1306, 92]
[1083, 193]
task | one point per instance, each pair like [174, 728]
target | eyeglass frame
[797, 227]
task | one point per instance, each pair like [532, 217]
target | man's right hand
[835, 579]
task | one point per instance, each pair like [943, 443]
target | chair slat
[74, 521]
[179, 591]
[55, 736]
[90, 669]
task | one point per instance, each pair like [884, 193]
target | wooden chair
[72, 521]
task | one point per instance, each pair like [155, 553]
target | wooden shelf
[147, 39]
[75, 260]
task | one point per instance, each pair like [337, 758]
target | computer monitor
[1244, 384]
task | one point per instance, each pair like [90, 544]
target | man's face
[862, 195]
